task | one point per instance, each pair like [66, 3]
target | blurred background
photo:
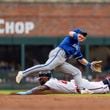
[30, 29]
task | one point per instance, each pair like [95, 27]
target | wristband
[88, 64]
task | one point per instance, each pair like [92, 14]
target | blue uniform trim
[88, 64]
[79, 58]
[44, 64]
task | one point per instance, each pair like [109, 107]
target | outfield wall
[54, 19]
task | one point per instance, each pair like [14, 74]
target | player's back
[61, 85]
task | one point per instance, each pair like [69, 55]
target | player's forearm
[34, 90]
[38, 89]
[71, 33]
[84, 62]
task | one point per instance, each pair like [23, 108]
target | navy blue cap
[79, 31]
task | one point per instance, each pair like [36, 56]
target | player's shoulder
[51, 80]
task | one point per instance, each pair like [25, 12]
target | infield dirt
[54, 102]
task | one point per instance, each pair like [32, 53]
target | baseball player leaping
[68, 48]
[61, 86]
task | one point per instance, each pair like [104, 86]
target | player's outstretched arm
[34, 90]
[95, 66]
[71, 33]
[84, 62]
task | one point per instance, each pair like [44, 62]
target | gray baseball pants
[57, 61]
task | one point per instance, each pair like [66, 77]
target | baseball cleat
[19, 77]
[107, 81]
[86, 91]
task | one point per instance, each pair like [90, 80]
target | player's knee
[48, 67]
[78, 71]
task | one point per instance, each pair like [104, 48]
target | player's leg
[107, 81]
[56, 58]
[95, 87]
[34, 90]
[76, 73]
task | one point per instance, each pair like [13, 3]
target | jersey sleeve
[78, 56]
[75, 36]
[49, 83]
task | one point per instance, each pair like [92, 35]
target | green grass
[8, 91]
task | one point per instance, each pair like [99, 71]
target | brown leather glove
[96, 66]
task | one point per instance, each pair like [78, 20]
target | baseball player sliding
[68, 48]
[61, 86]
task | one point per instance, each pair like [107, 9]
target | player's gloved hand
[96, 66]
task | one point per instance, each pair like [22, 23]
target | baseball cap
[79, 31]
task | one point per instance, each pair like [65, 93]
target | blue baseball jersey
[72, 47]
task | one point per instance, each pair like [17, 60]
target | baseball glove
[96, 66]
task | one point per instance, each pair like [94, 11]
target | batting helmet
[45, 74]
